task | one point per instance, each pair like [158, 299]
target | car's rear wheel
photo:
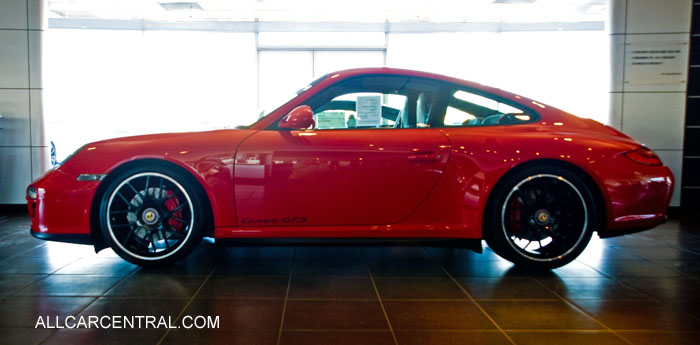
[151, 215]
[541, 217]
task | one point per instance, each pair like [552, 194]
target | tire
[152, 215]
[541, 217]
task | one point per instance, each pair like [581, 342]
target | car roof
[414, 73]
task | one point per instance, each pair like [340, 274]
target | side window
[469, 109]
[375, 102]
[360, 110]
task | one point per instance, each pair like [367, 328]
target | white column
[23, 150]
[647, 102]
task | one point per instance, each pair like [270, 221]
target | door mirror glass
[301, 117]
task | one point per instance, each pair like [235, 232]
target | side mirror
[301, 117]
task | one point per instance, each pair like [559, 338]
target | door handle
[424, 156]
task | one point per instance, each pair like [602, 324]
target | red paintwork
[422, 182]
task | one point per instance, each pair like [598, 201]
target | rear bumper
[639, 201]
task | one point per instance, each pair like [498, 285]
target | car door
[361, 172]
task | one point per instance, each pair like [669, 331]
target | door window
[360, 110]
[375, 102]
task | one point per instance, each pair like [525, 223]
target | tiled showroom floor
[639, 289]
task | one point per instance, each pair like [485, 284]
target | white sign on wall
[656, 62]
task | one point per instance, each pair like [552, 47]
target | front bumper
[62, 208]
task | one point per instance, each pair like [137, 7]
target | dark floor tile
[24, 312]
[331, 267]
[436, 315]
[332, 287]
[208, 251]
[657, 338]
[592, 288]
[23, 336]
[186, 266]
[691, 268]
[264, 253]
[254, 267]
[691, 308]
[105, 336]
[632, 240]
[70, 285]
[677, 289]
[94, 265]
[396, 254]
[451, 338]
[505, 288]
[406, 269]
[452, 255]
[568, 338]
[484, 269]
[220, 337]
[635, 268]
[14, 282]
[662, 253]
[245, 287]
[575, 269]
[637, 315]
[334, 314]
[157, 285]
[336, 337]
[18, 265]
[418, 288]
[240, 314]
[537, 315]
[129, 306]
[10, 248]
[338, 253]
[595, 255]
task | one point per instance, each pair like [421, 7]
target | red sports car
[371, 154]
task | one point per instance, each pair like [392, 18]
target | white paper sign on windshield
[369, 110]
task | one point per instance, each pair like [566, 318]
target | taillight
[643, 155]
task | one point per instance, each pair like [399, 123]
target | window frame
[435, 86]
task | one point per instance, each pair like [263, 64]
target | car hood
[190, 148]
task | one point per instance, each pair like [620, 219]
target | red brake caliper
[170, 204]
[514, 216]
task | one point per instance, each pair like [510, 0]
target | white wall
[104, 84]
[651, 111]
[23, 150]
[565, 69]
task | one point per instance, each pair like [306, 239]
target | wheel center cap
[542, 217]
[150, 216]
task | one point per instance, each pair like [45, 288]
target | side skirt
[471, 244]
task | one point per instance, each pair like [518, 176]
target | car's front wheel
[541, 217]
[151, 215]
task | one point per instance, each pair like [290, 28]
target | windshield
[265, 113]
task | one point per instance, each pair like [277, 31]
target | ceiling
[329, 11]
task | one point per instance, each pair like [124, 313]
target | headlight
[31, 193]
